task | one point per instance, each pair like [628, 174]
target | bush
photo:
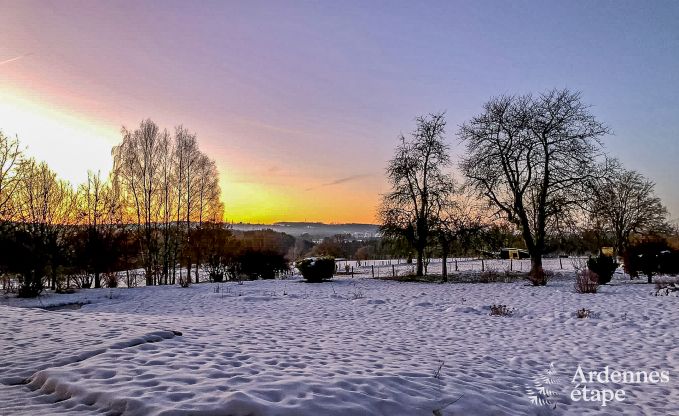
[316, 269]
[490, 276]
[604, 267]
[501, 310]
[215, 267]
[651, 258]
[586, 281]
[664, 288]
[261, 264]
[30, 286]
[111, 279]
[583, 313]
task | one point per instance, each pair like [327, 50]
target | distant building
[513, 253]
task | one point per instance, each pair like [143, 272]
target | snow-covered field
[352, 347]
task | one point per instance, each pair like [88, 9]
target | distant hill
[315, 229]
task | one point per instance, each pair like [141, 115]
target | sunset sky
[300, 103]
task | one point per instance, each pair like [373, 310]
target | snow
[351, 347]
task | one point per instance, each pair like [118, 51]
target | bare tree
[418, 178]
[170, 187]
[169, 199]
[137, 164]
[92, 209]
[624, 202]
[187, 157]
[533, 158]
[208, 205]
[100, 210]
[10, 158]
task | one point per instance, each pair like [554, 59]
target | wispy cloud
[339, 181]
[16, 58]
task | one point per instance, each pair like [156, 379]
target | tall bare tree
[533, 157]
[169, 199]
[137, 164]
[625, 203]
[10, 158]
[187, 158]
[418, 178]
[100, 210]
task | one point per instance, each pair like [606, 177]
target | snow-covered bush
[665, 288]
[501, 310]
[603, 266]
[586, 281]
[316, 269]
[583, 313]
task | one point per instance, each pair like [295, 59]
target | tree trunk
[444, 265]
[537, 274]
[97, 279]
[420, 262]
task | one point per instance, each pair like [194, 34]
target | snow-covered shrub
[501, 310]
[316, 269]
[604, 267]
[666, 287]
[583, 313]
[586, 281]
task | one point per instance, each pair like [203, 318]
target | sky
[301, 103]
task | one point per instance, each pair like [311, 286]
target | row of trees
[161, 191]
[169, 188]
[536, 162]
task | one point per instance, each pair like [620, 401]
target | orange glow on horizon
[72, 144]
